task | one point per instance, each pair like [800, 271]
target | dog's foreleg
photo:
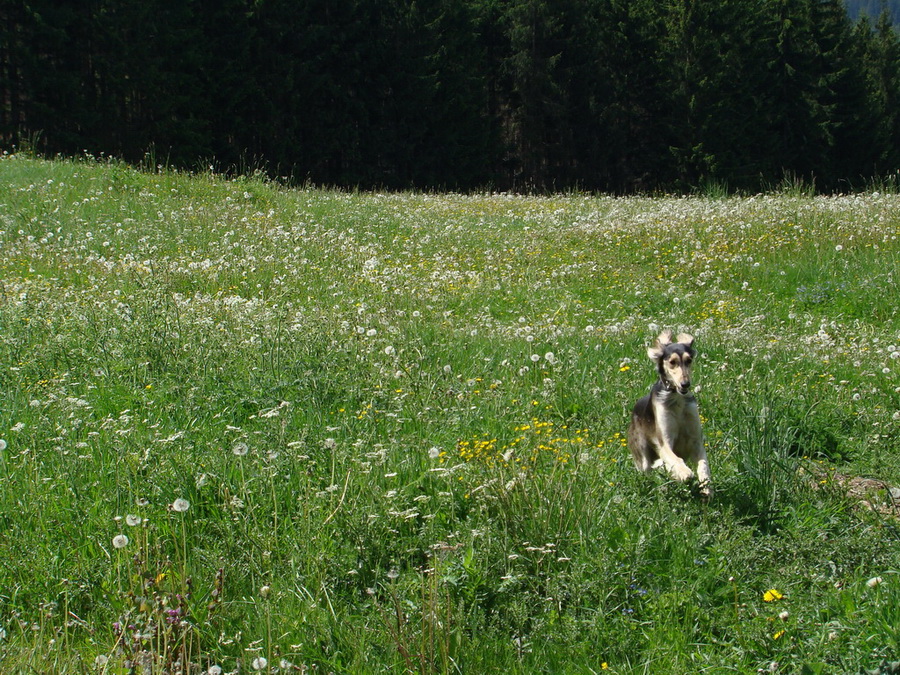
[703, 475]
[674, 464]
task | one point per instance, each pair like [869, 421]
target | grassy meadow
[255, 429]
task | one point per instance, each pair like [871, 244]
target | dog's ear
[656, 351]
[686, 340]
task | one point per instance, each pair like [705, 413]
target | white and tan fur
[665, 424]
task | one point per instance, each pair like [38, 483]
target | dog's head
[674, 360]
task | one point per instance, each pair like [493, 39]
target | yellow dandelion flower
[772, 595]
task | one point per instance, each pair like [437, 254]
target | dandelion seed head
[133, 520]
[120, 541]
[240, 449]
[874, 581]
[2, 445]
[260, 663]
[181, 505]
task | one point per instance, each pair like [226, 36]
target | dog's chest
[678, 416]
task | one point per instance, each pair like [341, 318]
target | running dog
[665, 424]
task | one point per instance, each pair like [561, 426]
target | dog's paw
[681, 472]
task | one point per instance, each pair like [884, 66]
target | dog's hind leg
[642, 451]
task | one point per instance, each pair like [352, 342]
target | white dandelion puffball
[874, 581]
[260, 663]
[181, 505]
[240, 449]
[2, 445]
[120, 541]
[133, 520]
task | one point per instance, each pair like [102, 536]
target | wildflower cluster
[537, 442]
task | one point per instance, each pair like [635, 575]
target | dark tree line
[615, 95]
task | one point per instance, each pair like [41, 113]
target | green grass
[398, 422]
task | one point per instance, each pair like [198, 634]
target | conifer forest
[620, 96]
